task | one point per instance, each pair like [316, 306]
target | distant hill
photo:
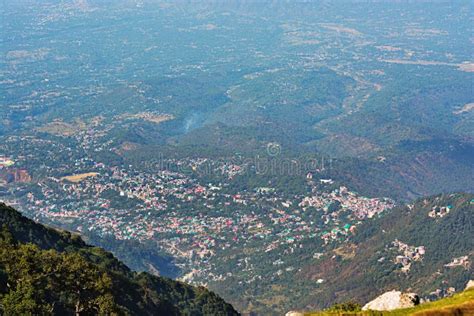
[426, 248]
[45, 271]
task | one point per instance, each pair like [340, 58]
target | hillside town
[192, 221]
[190, 208]
[407, 254]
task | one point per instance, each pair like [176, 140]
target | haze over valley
[286, 156]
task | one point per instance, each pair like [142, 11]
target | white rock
[469, 285]
[293, 313]
[392, 300]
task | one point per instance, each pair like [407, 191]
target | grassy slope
[458, 304]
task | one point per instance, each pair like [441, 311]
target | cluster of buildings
[462, 261]
[409, 254]
[9, 174]
[198, 223]
[440, 211]
[341, 210]
[361, 207]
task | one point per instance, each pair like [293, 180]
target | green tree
[89, 288]
[22, 301]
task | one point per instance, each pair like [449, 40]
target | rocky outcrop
[392, 300]
[469, 285]
[293, 313]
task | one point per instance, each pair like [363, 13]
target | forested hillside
[44, 271]
[425, 247]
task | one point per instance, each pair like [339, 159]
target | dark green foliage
[345, 307]
[27, 231]
[139, 256]
[44, 271]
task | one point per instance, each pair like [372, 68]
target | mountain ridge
[33, 253]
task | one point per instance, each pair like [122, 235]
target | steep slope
[43, 270]
[425, 248]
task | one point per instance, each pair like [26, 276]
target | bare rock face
[469, 285]
[392, 300]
